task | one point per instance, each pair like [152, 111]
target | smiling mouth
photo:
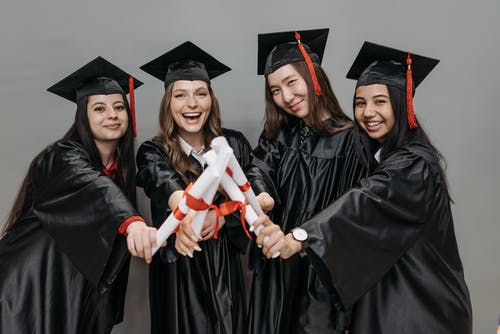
[373, 124]
[112, 126]
[295, 106]
[192, 116]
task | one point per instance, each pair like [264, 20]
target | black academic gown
[204, 294]
[304, 173]
[388, 247]
[63, 266]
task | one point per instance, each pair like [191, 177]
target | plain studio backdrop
[43, 41]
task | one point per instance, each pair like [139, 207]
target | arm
[80, 207]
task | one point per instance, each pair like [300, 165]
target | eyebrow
[284, 79]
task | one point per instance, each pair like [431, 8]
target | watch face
[299, 234]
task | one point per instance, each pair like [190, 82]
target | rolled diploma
[239, 176]
[235, 193]
[200, 186]
[208, 197]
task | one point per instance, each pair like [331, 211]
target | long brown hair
[80, 132]
[168, 134]
[276, 118]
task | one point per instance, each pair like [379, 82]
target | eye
[179, 95]
[275, 91]
[99, 108]
[291, 82]
[380, 101]
[360, 103]
[202, 94]
[120, 107]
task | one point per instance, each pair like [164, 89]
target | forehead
[281, 74]
[372, 90]
[189, 84]
[103, 98]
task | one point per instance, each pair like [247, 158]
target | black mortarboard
[97, 77]
[185, 62]
[378, 64]
[280, 48]
[381, 64]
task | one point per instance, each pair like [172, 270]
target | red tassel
[307, 58]
[412, 121]
[132, 103]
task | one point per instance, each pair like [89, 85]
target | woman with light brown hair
[196, 284]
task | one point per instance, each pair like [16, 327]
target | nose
[287, 95]
[193, 101]
[112, 112]
[370, 110]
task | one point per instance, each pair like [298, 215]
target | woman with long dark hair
[305, 160]
[201, 291]
[63, 256]
[387, 247]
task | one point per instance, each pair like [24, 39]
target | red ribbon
[229, 207]
[412, 121]
[243, 187]
[307, 58]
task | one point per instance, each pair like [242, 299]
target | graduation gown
[204, 294]
[304, 173]
[388, 246]
[63, 266]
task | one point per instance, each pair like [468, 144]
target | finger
[274, 251]
[138, 244]
[273, 238]
[152, 236]
[146, 241]
[131, 245]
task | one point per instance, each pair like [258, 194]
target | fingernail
[197, 248]
[258, 245]
[190, 254]
[251, 228]
[194, 238]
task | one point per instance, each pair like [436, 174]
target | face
[289, 91]
[190, 106]
[373, 111]
[108, 118]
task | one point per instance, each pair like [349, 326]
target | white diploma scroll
[234, 192]
[200, 187]
[220, 166]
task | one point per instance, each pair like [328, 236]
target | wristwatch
[299, 234]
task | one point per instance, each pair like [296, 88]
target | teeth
[373, 123]
[195, 114]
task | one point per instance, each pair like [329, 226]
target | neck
[107, 152]
[196, 140]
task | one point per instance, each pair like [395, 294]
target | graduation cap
[185, 62]
[95, 78]
[378, 64]
[282, 48]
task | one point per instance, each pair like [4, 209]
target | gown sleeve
[159, 180]
[355, 241]
[262, 170]
[156, 175]
[81, 209]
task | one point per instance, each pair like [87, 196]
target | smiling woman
[373, 111]
[198, 292]
[64, 255]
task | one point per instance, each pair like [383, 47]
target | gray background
[42, 41]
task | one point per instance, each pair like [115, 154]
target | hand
[289, 247]
[266, 202]
[186, 242]
[274, 234]
[208, 229]
[141, 239]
